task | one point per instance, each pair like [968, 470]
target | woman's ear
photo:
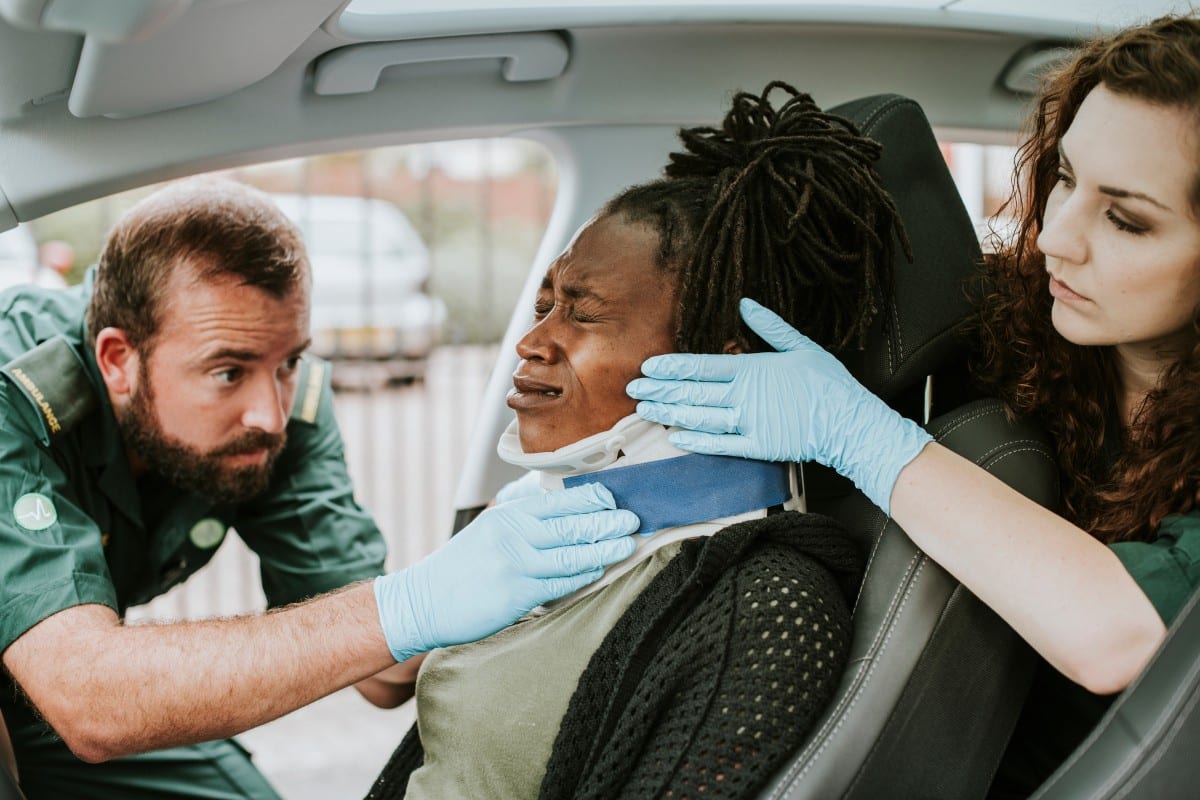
[735, 347]
[118, 361]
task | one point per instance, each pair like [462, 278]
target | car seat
[1145, 745]
[935, 679]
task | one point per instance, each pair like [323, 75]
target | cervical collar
[680, 495]
[592, 453]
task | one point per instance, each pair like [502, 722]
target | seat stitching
[899, 337]
[871, 119]
[882, 105]
[897, 600]
[1028, 444]
[870, 670]
[1039, 451]
[893, 611]
[971, 417]
[871, 560]
[804, 762]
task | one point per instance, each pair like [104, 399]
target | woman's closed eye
[581, 316]
[571, 312]
[1125, 225]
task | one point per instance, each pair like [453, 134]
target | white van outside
[370, 270]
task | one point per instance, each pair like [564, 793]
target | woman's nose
[538, 343]
[1063, 235]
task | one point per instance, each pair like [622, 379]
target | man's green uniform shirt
[76, 527]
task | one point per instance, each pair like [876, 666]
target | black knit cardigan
[712, 677]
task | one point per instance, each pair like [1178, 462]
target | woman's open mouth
[528, 393]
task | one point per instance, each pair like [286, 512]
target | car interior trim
[523, 57]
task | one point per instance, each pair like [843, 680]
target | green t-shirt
[1167, 569]
[1059, 713]
[77, 528]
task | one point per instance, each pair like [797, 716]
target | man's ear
[118, 360]
[735, 347]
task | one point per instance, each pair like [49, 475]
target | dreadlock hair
[782, 206]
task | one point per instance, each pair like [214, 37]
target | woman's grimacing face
[1120, 236]
[604, 307]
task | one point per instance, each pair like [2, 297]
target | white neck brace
[632, 440]
[632, 437]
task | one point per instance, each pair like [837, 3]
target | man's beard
[189, 469]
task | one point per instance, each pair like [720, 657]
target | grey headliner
[111, 94]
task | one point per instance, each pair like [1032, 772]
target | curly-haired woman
[1092, 326]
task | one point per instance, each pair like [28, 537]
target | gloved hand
[511, 559]
[528, 485]
[799, 404]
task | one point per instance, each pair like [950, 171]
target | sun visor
[172, 64]
[113, 20]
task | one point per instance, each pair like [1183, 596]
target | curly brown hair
[1073, 389]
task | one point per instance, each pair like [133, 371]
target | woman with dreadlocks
[1092, 326]
[780, 204]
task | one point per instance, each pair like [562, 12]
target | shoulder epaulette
[314, 373]
[54, 380]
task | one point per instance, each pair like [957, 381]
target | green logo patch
[207, 533]
[35, 512]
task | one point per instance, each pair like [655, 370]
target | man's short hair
[217, 228]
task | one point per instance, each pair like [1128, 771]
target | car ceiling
[98, 96]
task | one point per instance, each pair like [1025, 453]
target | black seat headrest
[916, 332]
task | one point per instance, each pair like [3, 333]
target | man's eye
[541, 309]
[291, 365]
[228, 375]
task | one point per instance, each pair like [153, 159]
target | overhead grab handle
[524, 57]
[1024, 72]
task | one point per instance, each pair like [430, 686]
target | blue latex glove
[511, 559]
[799, 404]
[528, 485]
